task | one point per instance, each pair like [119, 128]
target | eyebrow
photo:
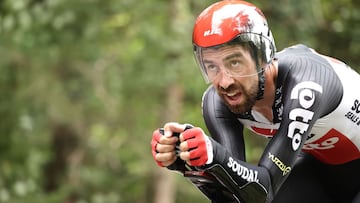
[234, 55]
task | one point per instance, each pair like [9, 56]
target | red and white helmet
[230, 20]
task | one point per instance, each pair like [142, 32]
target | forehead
[223, 51]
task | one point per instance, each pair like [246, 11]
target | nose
[225, 79]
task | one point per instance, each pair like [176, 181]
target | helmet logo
[215, 31]
[225, 16]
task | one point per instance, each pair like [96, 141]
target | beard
[249, 97]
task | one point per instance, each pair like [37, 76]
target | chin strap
[261, 77]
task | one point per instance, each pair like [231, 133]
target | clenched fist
[196, 148]
[193, 146]
[163, 146]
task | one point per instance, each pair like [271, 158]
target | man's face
[232, 71]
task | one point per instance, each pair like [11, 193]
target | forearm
[249, 183]
[204, 181]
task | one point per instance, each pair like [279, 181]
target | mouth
[233, 98]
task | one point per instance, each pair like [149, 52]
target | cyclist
[307, 103]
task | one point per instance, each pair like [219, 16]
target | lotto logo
[301, 117]
[333, 148]
[326, 144]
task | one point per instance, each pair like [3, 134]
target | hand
[196, 148]
[163, 146]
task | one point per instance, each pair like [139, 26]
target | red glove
[154, 141]
[163, 148]
[198, 145]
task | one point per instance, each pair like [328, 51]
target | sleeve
[222, 124]
[311, 90]
[243, 181]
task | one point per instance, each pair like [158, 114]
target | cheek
[248, 83]
[244, 81]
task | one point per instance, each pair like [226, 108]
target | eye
[211, 68]
[234, 65]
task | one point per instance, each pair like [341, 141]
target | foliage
[84, 82]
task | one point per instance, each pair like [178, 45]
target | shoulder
[300, 56]
[301, 63]
[294, 50]
[302, 68]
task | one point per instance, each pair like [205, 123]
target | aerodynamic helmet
[231, 21]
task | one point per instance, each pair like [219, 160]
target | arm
[220, 122]
[249, 183]
[310, 89]
[301, 110]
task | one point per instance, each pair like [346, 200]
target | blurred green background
[84, 83]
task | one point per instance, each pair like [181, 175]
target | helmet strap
[261, 75]
[261, 90]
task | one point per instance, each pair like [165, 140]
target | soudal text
[242, 171]
[354, 113]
